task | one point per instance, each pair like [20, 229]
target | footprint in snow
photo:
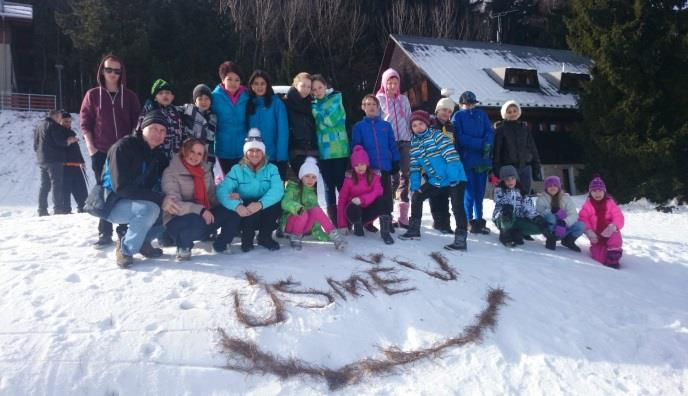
[73, 278]
[186, 305]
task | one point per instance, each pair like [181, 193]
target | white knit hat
[506, 106]
[309, 167]
[445, 103]
[254, 141]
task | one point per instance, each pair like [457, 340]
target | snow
[73, 323]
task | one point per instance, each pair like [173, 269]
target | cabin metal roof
[16, 10]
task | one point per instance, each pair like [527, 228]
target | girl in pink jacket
[360, 199]
[603, 222]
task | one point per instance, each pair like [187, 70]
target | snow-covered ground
[73, 323]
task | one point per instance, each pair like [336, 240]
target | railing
[30, 102]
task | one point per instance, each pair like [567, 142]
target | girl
[395, 108]
[333, 142]
[301, 213]
[514, 213]
[360, 199]
[558, 209]
[229, 103]
[302, 139]
[267, 112]
[603, 223]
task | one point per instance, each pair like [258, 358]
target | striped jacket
[397, 111]
[432, 152]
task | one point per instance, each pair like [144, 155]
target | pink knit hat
[596, 184]
[359, 156]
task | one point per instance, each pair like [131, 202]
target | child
[302, 139]
[395, 108]
[474, 137]
[199, 121]
[301, 213]
[360, 199]
[514, 213]
[267, 112]
[74, 176]
[432, 152]
[603, 223]
[377, 138]
[558, 209]
[162, 97]
[333, 141]
[514, 145]
[439, 205]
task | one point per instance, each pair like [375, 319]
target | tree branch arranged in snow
[247, 357]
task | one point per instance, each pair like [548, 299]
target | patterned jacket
[432, 152]
[200, 125]
[175, 130]
[523, 205]
[330, 124]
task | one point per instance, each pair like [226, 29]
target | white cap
[309, 167]
[445, 103]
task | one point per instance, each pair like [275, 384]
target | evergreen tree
[635, 122]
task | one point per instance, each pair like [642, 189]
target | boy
[162, 96]
[199, 121]
[74, 176]
[439, 205]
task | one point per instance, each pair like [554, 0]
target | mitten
[508, 212]
[487, 150]
[561, 214]
[395, 167]
[607, 232]
[560, 229]
[591, 236]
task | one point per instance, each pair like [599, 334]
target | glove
[607, 232]
[537, 172]
[487, 150]
[560, 229]
[508, 212]
[591, 236]
[395, 167]
[356, 201]
[561, 214]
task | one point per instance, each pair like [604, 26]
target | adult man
[109, 112]
[74, 178]
[132, 179]
[50, 141]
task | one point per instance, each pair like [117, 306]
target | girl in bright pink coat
[603, 223]
[360, 199]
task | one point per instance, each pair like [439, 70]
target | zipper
[377, 147]
[114, 118]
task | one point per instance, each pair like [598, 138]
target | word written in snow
[372, 280]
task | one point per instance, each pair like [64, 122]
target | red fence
[30, 102]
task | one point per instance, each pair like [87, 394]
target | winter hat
[154, 117]
[420, 115]
[254, 141]
[468, 97]
[389, 73]
[201, 89]
[445, 103]
[309, 167]
[596, 184]
[507, 171]
[160, 85]
[552, 181]
[359, 156]
[506, 106]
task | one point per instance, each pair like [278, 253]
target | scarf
[234, 98]
[198, 173]
[600, 211]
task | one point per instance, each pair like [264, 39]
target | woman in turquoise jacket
[229, 103]
[254, 190]
[268, 113]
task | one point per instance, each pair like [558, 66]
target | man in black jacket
[134, 168]
[50, 142]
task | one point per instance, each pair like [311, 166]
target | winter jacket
[73, 154]
[107, 117]
[397, 111]
[514, 145]
[201, 125]
[175, 129]
[377, 138]
[231, 124]
[178, 183]
[447, 128]
[433, 153]
[367, 193]
[330, 122]
[50, 141]
[273, 125]
[474, 136]
[302, 137]
[544, 206]
[264, 186]
[523, 205]
[133, 170]
[612, 214]
[295, 198]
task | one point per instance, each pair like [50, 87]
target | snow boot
[440, 222]
[148, 251]
[353, 214]
[122, 260]
[551, 243]
[613, 257]
[247, 241]
[505, 237]
[183, 254]
[338, 240]
[473, 227]
[294, 241]
[103, 241]
[459, 241]
[43, 212]
[385, 227]
[570, 243]
[516, 236]
[482, 227]
[267, 242]
[413, 231]
[403, 219]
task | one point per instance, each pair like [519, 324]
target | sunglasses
[253, 139]
[113, 71]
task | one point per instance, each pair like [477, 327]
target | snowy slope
[73, 323]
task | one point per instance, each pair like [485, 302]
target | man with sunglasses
[109, 112]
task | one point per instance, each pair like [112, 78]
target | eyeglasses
[253, 139]
[111, 70]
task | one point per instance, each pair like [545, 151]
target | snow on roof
[462, 65]
[16, 10]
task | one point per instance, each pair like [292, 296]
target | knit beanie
[506, 106]
[160, 85]
[201, 89]
[254, 141]
[552, 181]
[309, 167]
[154, 117]
[359, 156]
[420, 115]
[507, 171]
[596, 184]
[445, 103]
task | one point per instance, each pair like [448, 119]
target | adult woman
[302, 139]
[253, 189]
[189, 181]
[229, 103]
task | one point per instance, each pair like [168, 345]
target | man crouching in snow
[132, 178]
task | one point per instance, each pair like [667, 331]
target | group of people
[281, 157]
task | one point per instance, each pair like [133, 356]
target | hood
[389, 73]
[122, 77]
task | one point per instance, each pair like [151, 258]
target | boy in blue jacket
[474, 137]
